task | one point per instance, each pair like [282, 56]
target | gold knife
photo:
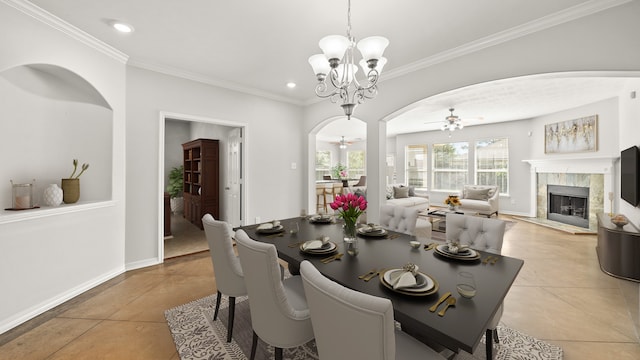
[442, 299]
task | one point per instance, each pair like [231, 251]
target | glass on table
[466, 284]
[295, 229]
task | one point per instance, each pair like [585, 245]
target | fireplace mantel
[583, 165]
[573, 165]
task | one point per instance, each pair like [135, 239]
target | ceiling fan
[453, 122]
[343, 143]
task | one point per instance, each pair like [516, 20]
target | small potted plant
[174, 188]
[339, 171]
[71, 185]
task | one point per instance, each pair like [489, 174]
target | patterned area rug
[197, 336]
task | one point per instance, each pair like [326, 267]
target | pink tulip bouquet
[349, 208]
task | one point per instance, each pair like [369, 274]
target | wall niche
[50, 116]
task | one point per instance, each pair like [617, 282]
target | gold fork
[331, 258]
[372, 271]
[376, 273]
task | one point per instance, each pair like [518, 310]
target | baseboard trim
[51, 303]
[142, 264]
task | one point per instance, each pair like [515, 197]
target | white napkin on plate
[371, 228]
[316, 244]
[313, 245]
[405, 278]
[265, 226]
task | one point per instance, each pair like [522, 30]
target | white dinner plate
[374, 233]
[320, 219]
[273, 230]
[308, 247]
[429, 288]
[470, 255]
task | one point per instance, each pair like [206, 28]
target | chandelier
[452, 122]
[338, 64]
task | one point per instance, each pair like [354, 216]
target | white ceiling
[257, 47]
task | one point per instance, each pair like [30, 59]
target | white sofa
[406, 196]
[481, 198]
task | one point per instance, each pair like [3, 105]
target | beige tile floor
[560, 296]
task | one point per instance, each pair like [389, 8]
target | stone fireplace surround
[596, 173]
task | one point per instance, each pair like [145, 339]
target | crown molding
[167, 70]
[543, 23]
[55, 22]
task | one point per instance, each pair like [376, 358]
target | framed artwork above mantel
[571, 136]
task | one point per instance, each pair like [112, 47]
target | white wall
[48, 259]
[521, 147]
[176, 133]
[585, 44]
[628, 134]
[517, 201]
[50, 255]
[273, 141]
[608, 119]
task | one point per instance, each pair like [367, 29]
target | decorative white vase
[52, 195]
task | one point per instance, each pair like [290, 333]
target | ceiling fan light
[334, 46]
[372, 47]
[319, 64]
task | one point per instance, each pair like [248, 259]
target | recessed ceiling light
[291, 85]
[122, 27]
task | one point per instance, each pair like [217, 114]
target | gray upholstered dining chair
[279, 312]
[226, 266]
[398, 218]
[352, 325]
[362, 181]
[482, 234]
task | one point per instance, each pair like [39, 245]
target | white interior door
[233, 187]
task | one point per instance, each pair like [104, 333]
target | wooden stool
[320, 195]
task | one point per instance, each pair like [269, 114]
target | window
[492, 163]
[356, 163]
[416, 170]
[323, 164]
[450, 166]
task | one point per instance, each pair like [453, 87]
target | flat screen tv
[629, 179]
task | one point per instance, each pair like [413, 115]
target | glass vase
[349, 230]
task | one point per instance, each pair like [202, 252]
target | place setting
[372, 231]
[321, 246]
[270, 228]
[453, 250]
[408, 281]
[322, 219]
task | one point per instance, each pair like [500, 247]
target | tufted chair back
[352, 325]
[398, 218]
[483, 234]
[479, 233]
[279, 310]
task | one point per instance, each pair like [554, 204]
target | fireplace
[568, 204]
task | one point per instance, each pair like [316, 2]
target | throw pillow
[361, 192]
[412, 191]
[389, 192]
[400, 192]
[477, 194]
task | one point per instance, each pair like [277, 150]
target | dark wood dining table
[463, 325]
